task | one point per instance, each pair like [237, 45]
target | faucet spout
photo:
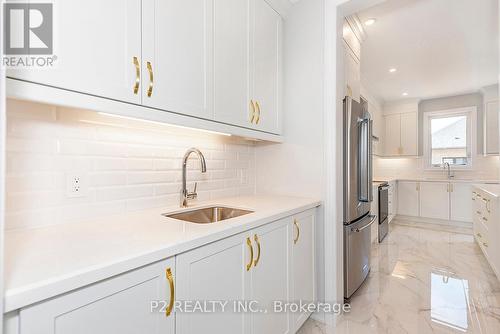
[446, 165]
[185, 194]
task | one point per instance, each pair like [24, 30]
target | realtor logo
[28, 28]
[28, 35]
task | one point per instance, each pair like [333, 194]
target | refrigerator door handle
[365, 191]
[372, 220]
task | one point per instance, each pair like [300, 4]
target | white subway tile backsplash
[125, 165]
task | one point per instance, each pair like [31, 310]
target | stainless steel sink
[208, 215]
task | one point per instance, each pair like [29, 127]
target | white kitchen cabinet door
[121, 304]
[177, 53]
[270, 276]
[232, 56]
[303, 267]
[352, 75]
[408, 198]
[409, 134]
[460, 202]
[95, 43]
[392, 135]
[266, 66]
[217, 271]
[491, 128]
[435, 200]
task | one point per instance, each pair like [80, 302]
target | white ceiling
[439, 47]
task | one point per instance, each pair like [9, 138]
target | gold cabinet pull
[256, 238]
[485, 244]
[258, 112]
[170, 279]
[298, 231]
[249, 243]
[252, 112]
[137, 75]
[485, 219]
[151, 78]
[479, 235]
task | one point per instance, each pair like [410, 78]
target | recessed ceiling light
[405, 94]
[369, 22]
[392, 70]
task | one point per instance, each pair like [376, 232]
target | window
[449, 137]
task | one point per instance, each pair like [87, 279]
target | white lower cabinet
[434, 200]
[408, 198]
[486, 226]
[260, 266]
[251, 270]
[121, 304]
[303, 267]
[270, 276]
[460, 202]
[217, 271]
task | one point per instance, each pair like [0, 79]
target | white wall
[125, 165]
[297, 167]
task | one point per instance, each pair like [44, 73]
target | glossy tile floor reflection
[424, 279]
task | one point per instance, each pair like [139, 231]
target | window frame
[471, 114]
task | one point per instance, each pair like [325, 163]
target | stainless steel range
[357, 194]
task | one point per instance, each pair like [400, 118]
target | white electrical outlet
[75, 185]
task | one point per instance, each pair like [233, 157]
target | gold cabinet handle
[485, 219]
[485, 244]
[151, 78]
[252, 112]
[478, 212]
[249, 243]
[256, 238]
[258, 112]
[170, 279]
[137, 75]
[479, 235]
[298, 231]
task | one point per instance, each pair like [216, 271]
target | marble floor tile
[424, 279]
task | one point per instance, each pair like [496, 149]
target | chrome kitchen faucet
[185, 195]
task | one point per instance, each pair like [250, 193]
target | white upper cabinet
[95, 44]
[401, 136]
[212, 60]
[392, 134]
[266, 67]
[409, 136]
[232, 54]
[434, 200]
[177, 56]
[247, 48]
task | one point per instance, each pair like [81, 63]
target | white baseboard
[452, 223]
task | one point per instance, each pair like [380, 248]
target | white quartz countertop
[44, 262]
[492, 189]
[452, 180]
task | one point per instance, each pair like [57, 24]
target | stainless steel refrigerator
[358, 193]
